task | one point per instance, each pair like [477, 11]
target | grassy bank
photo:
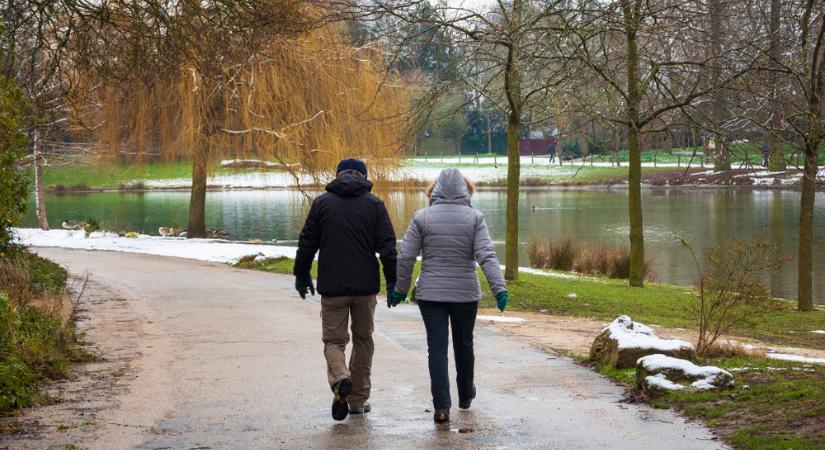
[92, 175]
[603, 298]
[37, 340]
[774, 405]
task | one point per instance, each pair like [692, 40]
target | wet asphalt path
[229, 358]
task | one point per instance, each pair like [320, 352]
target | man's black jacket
[349, 226]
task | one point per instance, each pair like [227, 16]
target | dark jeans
[462, 319]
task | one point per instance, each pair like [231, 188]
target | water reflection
[702, 217]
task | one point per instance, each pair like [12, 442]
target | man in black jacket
[349, 226]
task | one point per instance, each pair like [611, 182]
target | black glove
[304, 284]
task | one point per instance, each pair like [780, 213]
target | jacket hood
[450, 188]
[349, 185]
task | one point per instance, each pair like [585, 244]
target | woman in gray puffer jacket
[452, 237]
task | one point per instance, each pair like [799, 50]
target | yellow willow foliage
[305, 102]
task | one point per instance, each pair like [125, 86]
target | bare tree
[509, 57]
[646, 53]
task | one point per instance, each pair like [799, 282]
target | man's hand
[502, 298]
[304, 284]
[394, 298]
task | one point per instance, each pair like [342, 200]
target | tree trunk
[489, 138]
[722, 159]
[512, 89]
[513, 169]
[39, 194]
[634, 98]
[806, 226]
[776, 158]
[197, 201]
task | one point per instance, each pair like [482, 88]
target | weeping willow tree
[306, 102]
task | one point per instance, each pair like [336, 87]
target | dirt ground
[576, 334]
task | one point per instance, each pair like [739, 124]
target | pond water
[702, 217]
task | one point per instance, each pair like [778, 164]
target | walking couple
[348, 225]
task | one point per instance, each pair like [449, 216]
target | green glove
[395, 298]
[501, 300]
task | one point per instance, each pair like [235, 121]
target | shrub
[731, 292]
[592, 259]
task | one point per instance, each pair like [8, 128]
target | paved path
[201, 355]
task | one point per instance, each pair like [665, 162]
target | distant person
[551, 149]
[349, 226]
[451, 236]
[766, 154]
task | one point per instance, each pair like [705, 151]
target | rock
[623, 342]
[658, 373]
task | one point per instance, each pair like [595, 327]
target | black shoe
[365, 408]
[466, 404]
[340, 408]
[441, 416]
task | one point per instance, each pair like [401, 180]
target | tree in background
[306, 103]
[806, 68]
[646, 54]
[157, 41]
[507, 58]
[37, 56]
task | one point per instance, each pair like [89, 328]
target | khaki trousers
[335, 313]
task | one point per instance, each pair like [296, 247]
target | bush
[591, 259]
[36, 339]
[556, 255]
[13, 141]
[731, 292]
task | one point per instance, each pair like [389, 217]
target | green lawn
[603, 298]
[112, 176]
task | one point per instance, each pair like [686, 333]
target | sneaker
[466, 404]
[340, 408]
[441, 415]
[365, 408]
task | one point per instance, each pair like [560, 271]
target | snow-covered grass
[629, 334]
[818, 331]
[210, 250]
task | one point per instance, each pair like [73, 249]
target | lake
[703, 217]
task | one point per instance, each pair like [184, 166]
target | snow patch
[629, 334]
[660, 381]
[706, 377]
[818, 331]
[503, 319]
[795, 358]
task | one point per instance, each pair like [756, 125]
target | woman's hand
[502, 298]
[395, 298]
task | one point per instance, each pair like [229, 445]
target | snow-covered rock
[656, 373]
[623, 342]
